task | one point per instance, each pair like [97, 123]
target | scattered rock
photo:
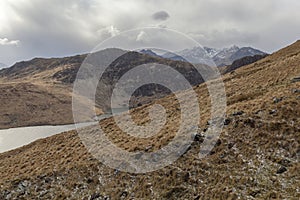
[284, 162]
[186, 176]
[218, 142]
[95, 196]
[254, 193]
[281, 170]
[238, 113]
[296, 79]
[230, 145]
[124, 194]
[106, 198]
[277, 100]
[198, 137]
[250, 122]
[273, 111]
[227, 121]
[295, 90]
[148, 148]
[47, 180]
[259, 112]
[89, 180]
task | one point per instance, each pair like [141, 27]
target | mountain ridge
[205, 55]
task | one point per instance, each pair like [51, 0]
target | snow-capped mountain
[211, 51]
[220, 57]
[207, 55]
[195, 55]
[228, 55]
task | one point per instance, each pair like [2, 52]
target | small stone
[254, 193]
[238, 113]
[106, 198]
[277, 100]
[273, 178]
[148, 148]
[89, 180]
[230, 145]
[272, 112]
[285, 162]
[259, 112]
[124, 194]
[227, 121]
[95, 196]
[218, 142]
[281, 170]
[250, 122]
[198, 137]
[295, 90]
[296, 79]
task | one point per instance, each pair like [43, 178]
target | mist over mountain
[2, 65]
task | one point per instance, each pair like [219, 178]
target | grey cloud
[67, 27]
[160, 15]
[5, 41]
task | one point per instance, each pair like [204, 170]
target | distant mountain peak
[149, 52]
[221, 57]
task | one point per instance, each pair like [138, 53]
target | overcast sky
[46, 28]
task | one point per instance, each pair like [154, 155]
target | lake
[16, 137]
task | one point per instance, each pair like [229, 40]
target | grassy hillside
[257, 155]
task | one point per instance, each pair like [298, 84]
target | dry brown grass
[36, 99]
[242, 166]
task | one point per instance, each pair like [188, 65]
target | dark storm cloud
[160, 15]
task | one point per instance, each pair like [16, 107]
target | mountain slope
[242, 62]
[39, 91]
[257, 155]
[31, 96]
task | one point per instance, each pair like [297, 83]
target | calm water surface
[16, 137]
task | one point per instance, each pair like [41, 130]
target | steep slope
[257, 155]
[31, 96]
